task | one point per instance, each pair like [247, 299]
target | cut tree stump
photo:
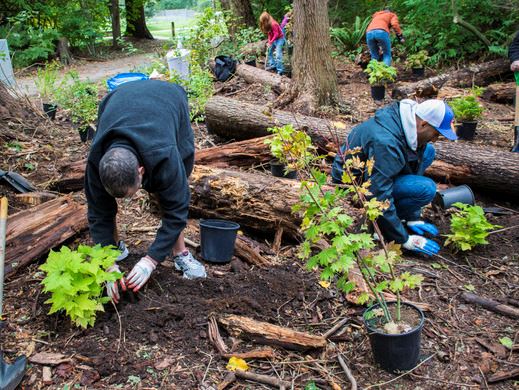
[490, 304]
[33, 232]
[265, 333]
[499, 93]
[252, 75]
[259, 202]
[478, 74]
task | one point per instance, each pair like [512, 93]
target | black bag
[224, 67]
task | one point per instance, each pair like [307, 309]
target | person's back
[377, 35]
[384, 20]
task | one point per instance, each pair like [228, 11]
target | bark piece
[72, 177]
[262, 353]
[490, 304]
[251, 255]
[503, 375]
[466, 77]
[49, 358]
[46, 375]
[229, 379]
[33, 232]
[35, 198]
[252, 75]
[265, 333]
[266, 379]
[499, 92]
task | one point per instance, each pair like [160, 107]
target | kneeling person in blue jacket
[398, 139]
[143, 140]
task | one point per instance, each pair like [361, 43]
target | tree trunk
[135, 20]
[250, 121]
[478, 75]
[266, 333]
[252, 74]
[256, 201]
[33, 232]
[242, 10]
[499, 92]
[313, 73]
[116, 22]
[65, 57]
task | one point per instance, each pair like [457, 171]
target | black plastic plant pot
[467, 130]
[86, 133]
[278, 170]
[446, 198]
[251, 62]
[395, 352]
[378, 92]
[217, 238]
[50, 110]
[418, 72]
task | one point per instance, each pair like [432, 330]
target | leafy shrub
[417, 60]
[45, 81]
[243, 36]
[469, 227]
[290, 146]
[348, 39]
[466, 108]
[76, 279]
[380, 73]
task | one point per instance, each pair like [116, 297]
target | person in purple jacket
[276, 40]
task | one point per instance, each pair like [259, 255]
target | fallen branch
[491, 305]
[251, 255]
[335, 328]
[503, 375]
[348, 373]
[265, 379]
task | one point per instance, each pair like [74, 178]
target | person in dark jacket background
[398, 139]
[513, 55]
[143, 140]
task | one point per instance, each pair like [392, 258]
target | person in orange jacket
[377, 35]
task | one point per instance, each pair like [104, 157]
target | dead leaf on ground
[164, 363]
[89, 377]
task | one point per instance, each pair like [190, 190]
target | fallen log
[499, 93]
[490, 304]
[503, 375]
[471, 75]
[265, 333]
[253, 75]
[72, 177]
[33, 232]
[237, 120]
[254, 49]
[259, 202]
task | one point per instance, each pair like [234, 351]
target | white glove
[111, 287]
[422, 245]
[514, 66]
[140, 273]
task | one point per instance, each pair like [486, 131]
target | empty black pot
[50, 110]
[395, 352]
[418, 72]
[466, 130]
[217, 238]
[446, 198]
[278, 169]
[86, 133]
[378, 92]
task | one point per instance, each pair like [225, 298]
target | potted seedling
[46, 84]
[380, 75]
[467, 110]
[284, 145]
[416, 62]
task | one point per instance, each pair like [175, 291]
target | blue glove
[421, 227]
[421, 245]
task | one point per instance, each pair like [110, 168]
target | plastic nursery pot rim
[220, 224]
[374, 330]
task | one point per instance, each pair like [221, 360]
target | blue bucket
[122, 78]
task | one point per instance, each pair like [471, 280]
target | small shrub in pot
[416, 62]
[380, 75]
[467, 110]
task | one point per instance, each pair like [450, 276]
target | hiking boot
[124, 251]
[191, 267]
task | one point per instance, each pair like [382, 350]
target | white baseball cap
[439, 115]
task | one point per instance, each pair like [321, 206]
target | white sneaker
[191, 267]
[124, 251]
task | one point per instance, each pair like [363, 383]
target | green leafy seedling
[417, 60]
[380, 73]
[75, 280]
[467, 108]
[469, 227]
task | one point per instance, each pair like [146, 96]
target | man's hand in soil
[421, 227]
[140, 273]
[111, 287]
[421, 245]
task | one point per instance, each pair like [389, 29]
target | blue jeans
[376, 40]
[412, 192]
[277, 62]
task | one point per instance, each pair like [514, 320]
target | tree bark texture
[259, 202]
[135, 20]
[242, 10]
[64, 54]
[116, 22]
[252, 75]
[256, 49]
[499, 92]
[478, 74]
[266, 333]
[313, 72]
[33, 232]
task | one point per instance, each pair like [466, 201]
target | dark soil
[158, 338]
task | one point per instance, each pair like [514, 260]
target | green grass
[162, 29]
